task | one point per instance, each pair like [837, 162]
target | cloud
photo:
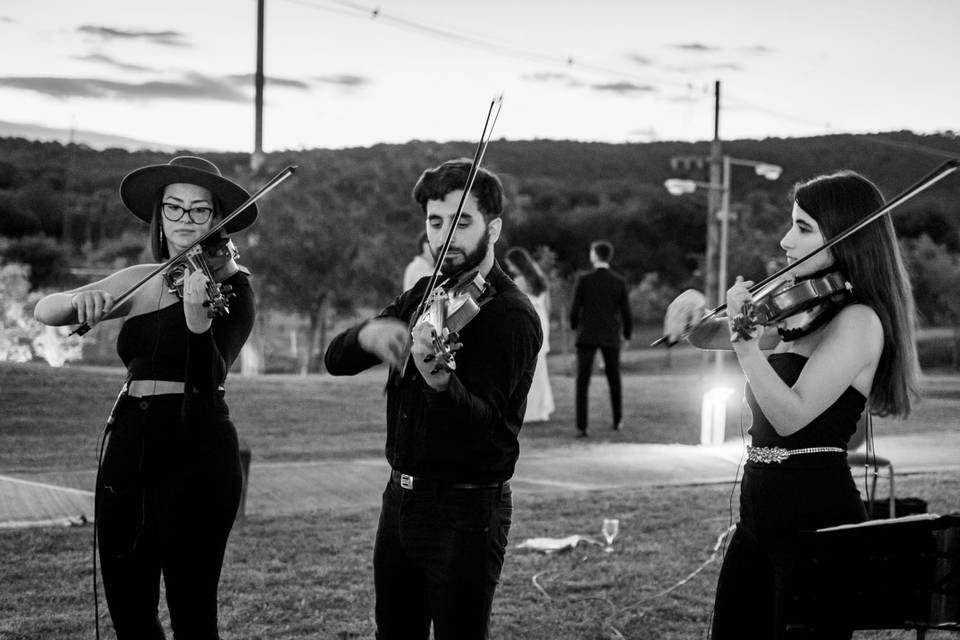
[246, 80]
[552, 76]
[6, 19]
[760, 49]
[191, 87]
[694, 47]
[168, 38]
[623, 88]
[638, 59]
[343, 79]
[690, 69]
[112, 62]
[648, 134]
[724, 66]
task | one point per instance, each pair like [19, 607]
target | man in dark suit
[601, 313]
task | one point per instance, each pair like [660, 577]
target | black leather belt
[412, 483]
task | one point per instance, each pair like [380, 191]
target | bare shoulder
[858, 325]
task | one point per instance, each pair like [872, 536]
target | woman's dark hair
[871, 261]
[436, 183]
[528, 268]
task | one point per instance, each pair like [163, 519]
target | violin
[449, 309]
[208, 257]
[784, 307]
[782, 299]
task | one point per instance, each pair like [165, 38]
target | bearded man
[451, 431]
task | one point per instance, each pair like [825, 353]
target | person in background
[169, 487]
[600, 313]
[452, 434]
[421, 265]
[532, 281]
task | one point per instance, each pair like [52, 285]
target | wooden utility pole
[256, 160]
[713, 204]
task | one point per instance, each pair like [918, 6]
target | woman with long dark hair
[851, 353]
[170, 482]
[533, 283]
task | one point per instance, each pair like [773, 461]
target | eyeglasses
[174, 213]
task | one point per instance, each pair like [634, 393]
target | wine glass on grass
[611, 527]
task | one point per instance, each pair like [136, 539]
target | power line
[912, 146]
[459, 37]
[736, 102]
[357, 10]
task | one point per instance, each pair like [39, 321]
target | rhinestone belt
[779, 454]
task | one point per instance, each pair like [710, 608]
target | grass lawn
[50, 418]
[310, 575]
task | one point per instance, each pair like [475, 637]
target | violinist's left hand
[741, 332]
[194, 295]
[425, 357]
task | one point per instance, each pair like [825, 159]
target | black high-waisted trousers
[777, 501]
[166, 501]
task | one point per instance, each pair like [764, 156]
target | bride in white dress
[531, 280]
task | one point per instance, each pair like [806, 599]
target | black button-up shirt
[467, 433]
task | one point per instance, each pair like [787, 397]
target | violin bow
[264, 190]
[922, 184]
[493, 112]
[485, 135]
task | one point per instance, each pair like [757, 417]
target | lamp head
[678, 187]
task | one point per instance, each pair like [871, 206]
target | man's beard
[470, 261]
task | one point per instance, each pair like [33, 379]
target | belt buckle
[406, 481]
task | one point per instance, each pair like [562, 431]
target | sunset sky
[181, 73]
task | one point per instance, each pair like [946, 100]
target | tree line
[335, 238]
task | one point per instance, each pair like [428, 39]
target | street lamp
[679, 187]
[764, 169]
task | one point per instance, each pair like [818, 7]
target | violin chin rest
[464, 312]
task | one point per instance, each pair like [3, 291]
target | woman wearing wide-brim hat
[170, 480]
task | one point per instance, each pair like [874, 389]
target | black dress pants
[438, 556]
[776, 503]
[611, 366]
[166, 501]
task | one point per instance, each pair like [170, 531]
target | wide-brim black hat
[141, 189]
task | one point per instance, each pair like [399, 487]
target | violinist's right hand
[682, 314]
[91, 305]
[386, 338]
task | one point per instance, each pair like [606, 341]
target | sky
[343, 73]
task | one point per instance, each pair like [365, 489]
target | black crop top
[832, 428]
[158, 346]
